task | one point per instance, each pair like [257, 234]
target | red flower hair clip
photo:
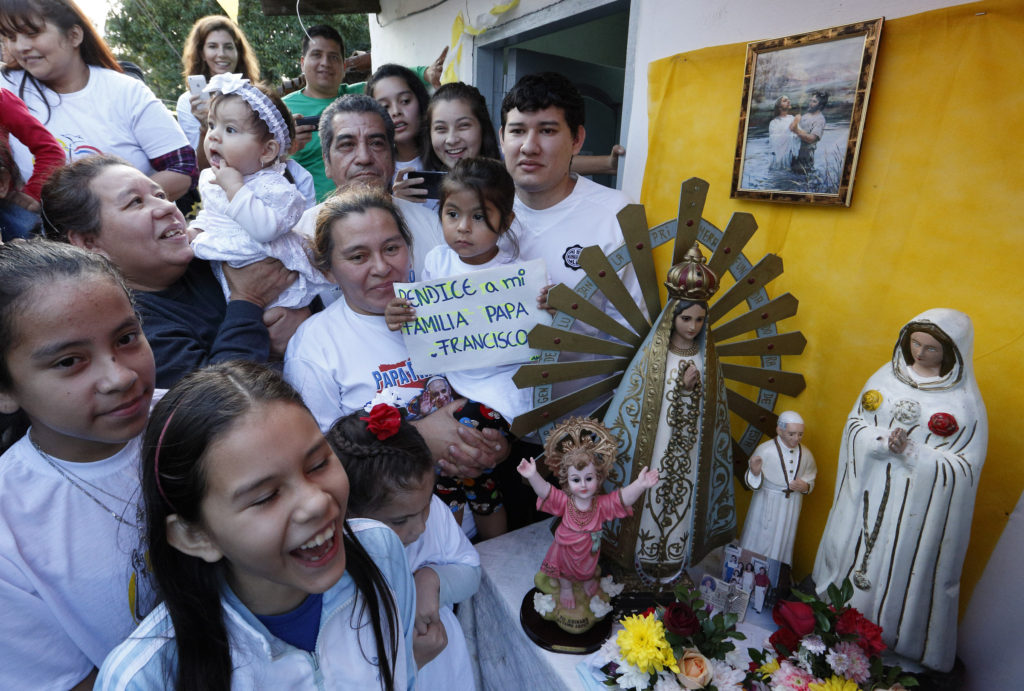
[383, 421]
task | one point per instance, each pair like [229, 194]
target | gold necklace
[684, 352]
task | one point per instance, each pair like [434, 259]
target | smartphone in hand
[432, 180]
[196, 84]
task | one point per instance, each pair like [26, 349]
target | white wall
[407, 33]
[413, 32]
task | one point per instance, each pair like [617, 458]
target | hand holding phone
[432, 180]
[196, 84]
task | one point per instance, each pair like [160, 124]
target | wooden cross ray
[594, 262]
[548, 373]
[546, 337]
[565, 299]
[763, 273]
[769, 313]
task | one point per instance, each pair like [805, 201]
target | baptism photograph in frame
[805, 100]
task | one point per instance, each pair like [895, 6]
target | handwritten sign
[474, 320]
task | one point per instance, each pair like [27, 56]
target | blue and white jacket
[345, 654]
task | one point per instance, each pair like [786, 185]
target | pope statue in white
[780, 472]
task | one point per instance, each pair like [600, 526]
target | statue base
[550, 636]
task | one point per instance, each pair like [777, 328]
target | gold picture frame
[805, 101]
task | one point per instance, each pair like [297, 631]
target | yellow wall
[937, 220]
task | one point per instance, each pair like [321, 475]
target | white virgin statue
[779, 472]
[908, 471]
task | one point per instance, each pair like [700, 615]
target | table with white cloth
[505, 658]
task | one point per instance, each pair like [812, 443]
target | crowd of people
[220, 466]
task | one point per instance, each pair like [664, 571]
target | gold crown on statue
[580, 440]
[691, 279]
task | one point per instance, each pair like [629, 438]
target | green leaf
[909, 681]
[822, 621]
[847, 593]
[834, 596]
[803, 597]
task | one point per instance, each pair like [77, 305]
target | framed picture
[805, 99]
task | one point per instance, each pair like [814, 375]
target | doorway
[590, 48]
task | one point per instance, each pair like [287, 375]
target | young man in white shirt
[558, 212]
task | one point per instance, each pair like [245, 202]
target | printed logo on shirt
[571, 257]
[398, 374]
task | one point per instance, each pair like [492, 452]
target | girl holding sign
[363, 245]
[476, 216]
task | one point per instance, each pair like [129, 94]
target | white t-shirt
[69, 590]
[493, 385]
[444, 544]
[113, 114]
[187, 121]
[414, 164]
[558, 234]
[340, 360]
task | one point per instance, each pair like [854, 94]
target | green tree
[152, 33]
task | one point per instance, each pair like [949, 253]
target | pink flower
[789, 677]
[848, 660]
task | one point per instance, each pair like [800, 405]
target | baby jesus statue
[580, 451]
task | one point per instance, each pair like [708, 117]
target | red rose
[680, 619]
[869, 635]
[943, 424]
[784, 638]
[384, 421]
[796, 616]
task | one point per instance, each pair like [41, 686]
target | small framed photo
[805, 98]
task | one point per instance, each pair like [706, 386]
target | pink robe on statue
[573, 555]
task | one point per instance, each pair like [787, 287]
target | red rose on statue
[796, 616]
[869, 635]
[943, 424]
[384, 421]
[784, 638]
[680, 619]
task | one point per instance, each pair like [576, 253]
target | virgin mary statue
[908, 470]
[670, 413]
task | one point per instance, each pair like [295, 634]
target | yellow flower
[871, 400]
[833, 683]
[768, 668]
[643, 645]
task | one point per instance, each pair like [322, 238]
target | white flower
[630, 677]
[667, 682]
[609, 651]
[907, 411]
[387, 396]
[609, 586]
[544, 604]
[726, 677]
[599, 607]
[813, 644]
[226, 83]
